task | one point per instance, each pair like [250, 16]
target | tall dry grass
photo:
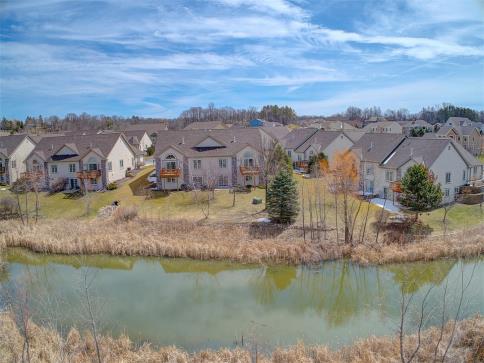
[241, 243]
[47, 346]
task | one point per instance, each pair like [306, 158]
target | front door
[73, 184]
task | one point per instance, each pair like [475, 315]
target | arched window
[170, 162]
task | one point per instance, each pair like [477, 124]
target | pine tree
[419, 191]
[282, 198]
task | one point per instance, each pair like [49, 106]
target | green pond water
[197, 305]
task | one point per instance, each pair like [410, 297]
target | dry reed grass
[239, 243]
[47, 346]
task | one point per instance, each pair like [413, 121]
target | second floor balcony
[88, 174]
[249, 170]
[170, 172]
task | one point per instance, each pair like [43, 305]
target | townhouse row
[69, 161]
[219, 158]
[385, 157]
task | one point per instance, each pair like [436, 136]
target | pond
[197, 305]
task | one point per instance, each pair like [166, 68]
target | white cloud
[411, 95]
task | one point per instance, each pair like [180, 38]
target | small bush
[112, 186]
[58, 186]
[8, 207]
[125, 214]
[150, 150]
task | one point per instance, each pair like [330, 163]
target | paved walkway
[386, 204]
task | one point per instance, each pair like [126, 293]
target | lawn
[460, 216]
[189, 205]
[173, 205]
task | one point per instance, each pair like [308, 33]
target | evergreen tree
[419, 191]
[282, 198]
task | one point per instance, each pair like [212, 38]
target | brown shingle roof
[231, 140]
[376, 147]
[81, 144]
[321, 139]
[9, 143]
[297, 137]
[205, 125]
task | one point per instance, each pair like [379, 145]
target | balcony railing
[2, 170]
[396, 186]
[88, 174]
[250, 170]
[170, 173]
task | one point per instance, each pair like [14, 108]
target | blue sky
[157, 58]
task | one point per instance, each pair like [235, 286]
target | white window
[53, 169]
[448, 178]
[93, 181]
[289, 152]
[456, 190]
[223, 181]
[110, 165]
[14, 164]
[222, 163]
[197, 164]
[121, 164]
[72, 168]
[197, 180]
[171, 180]
[248, 178]
[447, 192]
[389, 175]
[369, 170]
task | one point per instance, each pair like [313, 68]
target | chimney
[234, 140]
[51, 147]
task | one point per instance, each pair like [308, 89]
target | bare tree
[90, 309]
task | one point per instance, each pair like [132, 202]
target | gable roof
[460, 130]
[231, 140]
[297, 137]
[277, 133]
[427, 150]
[9, 143]
[458, 121]
[321, 139]
[415, 123]
[376, 147]
[205, 125]
[102, 144]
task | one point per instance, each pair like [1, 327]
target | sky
[157, 58]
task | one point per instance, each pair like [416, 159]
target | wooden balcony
[3, 170]
[88, 174]
[170, 173]
[34, 174]
[396, 186]
[302, 165]
[249, 170]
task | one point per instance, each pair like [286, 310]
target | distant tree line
[431, 114]
[283, 114]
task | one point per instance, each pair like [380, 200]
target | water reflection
[197, 304]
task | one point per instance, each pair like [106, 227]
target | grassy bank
[246, 243]
[46, 345]
[188, 206]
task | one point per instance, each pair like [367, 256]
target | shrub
[112, 186]
[150, 150]
[8, 207]
[58, 186]
[125, 214]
